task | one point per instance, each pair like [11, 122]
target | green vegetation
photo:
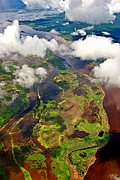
[60, 169]
[59, 164]
[66, 80]
[42, 64]
[50, 137]
[59, 120]
[25, 172]
[7, 112]
[1, 146]
[57, 62]
[2, 172]
[11, 92]
[56, 125]
[35, 160]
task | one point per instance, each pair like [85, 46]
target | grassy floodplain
[59, 136]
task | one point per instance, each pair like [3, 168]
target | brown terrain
[107, 164]
[22, 136]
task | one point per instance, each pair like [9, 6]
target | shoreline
[107, 162]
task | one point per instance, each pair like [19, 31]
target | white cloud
[4, 93]
[94, 47]
[64, 4]
[81, 32]
[88, 28]
[41, 71]
[75, 33]
[36, 46]
[44, 4]
[89, 11]
[66, 23]
[27, 76]
[11, 42]
[106, 33]
[115, 6]
[109, 71]
[53, 31]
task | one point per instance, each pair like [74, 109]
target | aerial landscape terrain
[60, 90]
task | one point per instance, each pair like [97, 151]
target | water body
[11, 4]
[107, 164]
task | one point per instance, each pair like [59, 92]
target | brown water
[107, 164]
[112, 107]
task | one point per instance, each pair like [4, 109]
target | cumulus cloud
[27, 76]
[94, 47]
[4, 94]
[88, 28]
[45, 4]
[114, 6]
[106, 33]
[66, 23]
[89, 11]
[11, 42]
[53, 31]
[109, 72]
[75, 33]
[41, 72]
[82, 32]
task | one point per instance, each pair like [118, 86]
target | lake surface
[11, 4]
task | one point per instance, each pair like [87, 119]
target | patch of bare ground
[71, 109]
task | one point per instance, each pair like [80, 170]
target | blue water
[11, 4]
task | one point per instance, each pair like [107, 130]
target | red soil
[103, 170]
[50, 174]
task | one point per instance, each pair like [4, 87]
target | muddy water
[107, 164]
[112, 107]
